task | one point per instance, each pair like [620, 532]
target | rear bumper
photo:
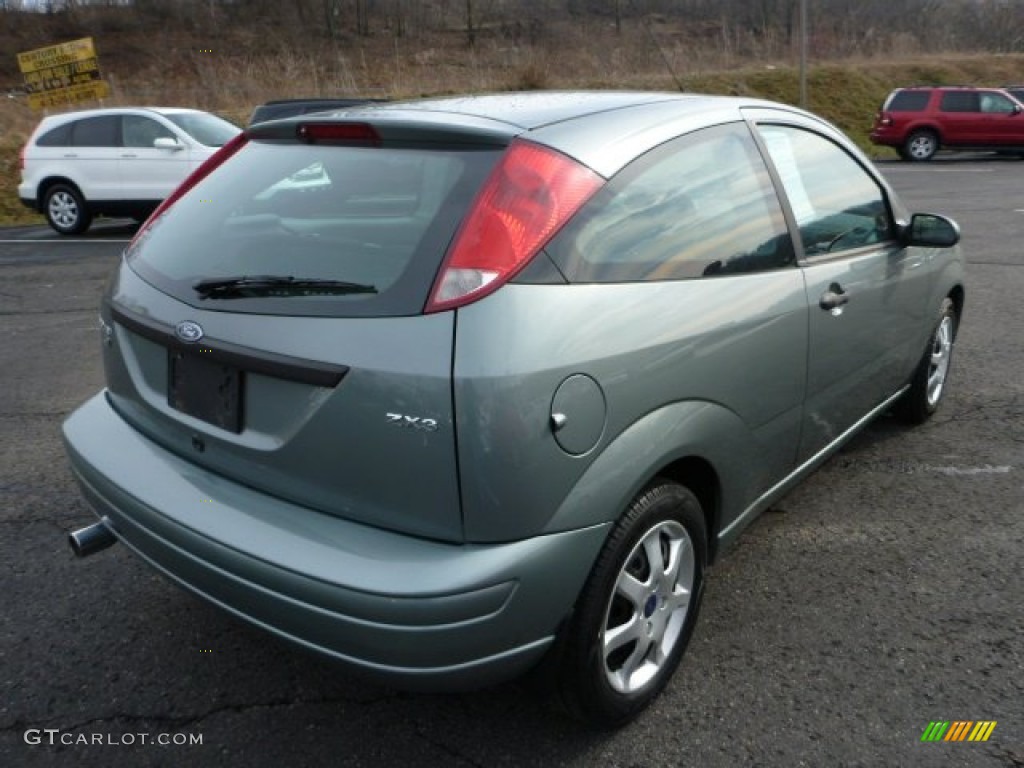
[415, 613]
[884, 139]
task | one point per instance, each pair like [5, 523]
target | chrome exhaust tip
[91, 539]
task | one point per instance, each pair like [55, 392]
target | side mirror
[930, 230]
[167, 143]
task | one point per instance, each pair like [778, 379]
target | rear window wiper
[246, 286]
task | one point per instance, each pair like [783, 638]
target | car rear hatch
[268, 321]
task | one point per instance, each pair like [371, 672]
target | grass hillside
[231, 70]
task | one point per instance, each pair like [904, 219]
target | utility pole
[803, 54]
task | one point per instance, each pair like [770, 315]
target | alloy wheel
[938, 367]
[648, 607]
[63, 209]
[921, 147]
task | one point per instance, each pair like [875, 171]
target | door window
[139, 131]
[959, 101]
[701, 205]
[96, 132]
[996, 103]
[836, 203]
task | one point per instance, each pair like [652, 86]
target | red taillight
[21, 157]
[208, 166]
[529, 195]
[361, 133]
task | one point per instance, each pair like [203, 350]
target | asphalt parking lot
[882, 594]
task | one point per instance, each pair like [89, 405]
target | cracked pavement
[881, 594]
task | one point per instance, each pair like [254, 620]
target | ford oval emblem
[188, 331]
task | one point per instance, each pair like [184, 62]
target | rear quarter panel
[710, 368]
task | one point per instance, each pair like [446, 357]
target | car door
[1004, 123]
[960, 118]
[92, 159]
[866, 294]
[149, 172]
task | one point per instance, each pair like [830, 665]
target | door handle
[129, 155]
[833, 299]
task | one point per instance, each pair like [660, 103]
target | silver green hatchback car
[441, 389]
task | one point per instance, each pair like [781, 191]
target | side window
[996, 103]
[959, 101]
[908, 101]
[699, 205]
[56, 137]
[138, 131]
[95, 131]
[836, 203]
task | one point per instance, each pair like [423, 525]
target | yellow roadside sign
[70, 95]
[55, 55]
[62, 74]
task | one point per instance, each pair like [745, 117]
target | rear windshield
[377, 217]
[907, 101]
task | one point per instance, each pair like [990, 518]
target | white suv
[114, 162]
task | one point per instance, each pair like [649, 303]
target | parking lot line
[885, 169]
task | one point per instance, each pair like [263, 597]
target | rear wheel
[929, 382]
[65, 209]
[638, 608]
[920, 146]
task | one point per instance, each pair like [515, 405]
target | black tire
[607, 681]
[65, 209]
[928, 384]
[920, 146]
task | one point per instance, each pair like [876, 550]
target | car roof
[953, 88]
[602, 129]
[282, 108]
[343, 100]
[80, 113]
[531, 110]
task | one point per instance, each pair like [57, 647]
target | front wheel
[637, 611]
[928, 384]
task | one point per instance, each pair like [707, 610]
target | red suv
[919, 121]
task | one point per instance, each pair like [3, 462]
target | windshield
[374, 217]
[205, 128]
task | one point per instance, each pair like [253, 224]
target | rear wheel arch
[51, 181]
[701, 445]
[698, 476]
[931, 128]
